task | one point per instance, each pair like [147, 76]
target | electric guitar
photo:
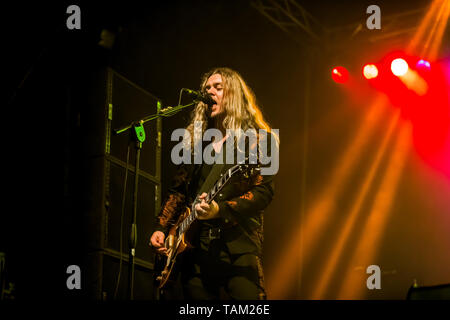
[177, 240]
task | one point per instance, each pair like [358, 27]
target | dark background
[163, 47]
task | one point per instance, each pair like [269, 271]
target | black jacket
[241, 204]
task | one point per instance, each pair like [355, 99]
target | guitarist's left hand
[207, 211]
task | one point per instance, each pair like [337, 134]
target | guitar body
[175, 246]
[179, 237]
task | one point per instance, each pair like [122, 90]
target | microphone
[205, 98]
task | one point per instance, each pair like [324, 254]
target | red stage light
[339, 74]
[370, 71]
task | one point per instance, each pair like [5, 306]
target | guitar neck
[219, 185]
[185, 224]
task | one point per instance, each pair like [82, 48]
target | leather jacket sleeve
[175, 202]
[246, 209]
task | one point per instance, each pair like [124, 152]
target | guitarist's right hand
[157, 242]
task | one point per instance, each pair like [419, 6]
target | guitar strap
[212, 178]
[215, 172]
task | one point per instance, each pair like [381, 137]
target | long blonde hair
[240, 110]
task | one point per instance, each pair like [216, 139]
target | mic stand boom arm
[166, 112]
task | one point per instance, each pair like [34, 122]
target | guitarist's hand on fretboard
[206, 211]
[157, 242]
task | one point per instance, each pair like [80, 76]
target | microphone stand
[137, 135]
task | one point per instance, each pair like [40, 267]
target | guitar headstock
[249, 170]
[244, 173]
[246, 170]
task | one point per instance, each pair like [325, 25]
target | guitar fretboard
[185, 224]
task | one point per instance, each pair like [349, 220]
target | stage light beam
[320, 211]
[341, 243]
[413, 81]
[353, 285]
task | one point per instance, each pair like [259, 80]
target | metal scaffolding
[291, 17]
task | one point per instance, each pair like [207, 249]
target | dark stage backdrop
[162, 47]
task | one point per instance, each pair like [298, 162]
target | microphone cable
[122, 214]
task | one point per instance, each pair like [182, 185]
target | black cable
[122, 214]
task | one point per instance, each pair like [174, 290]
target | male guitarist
[225, 259]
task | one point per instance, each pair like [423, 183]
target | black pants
[215, 274]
